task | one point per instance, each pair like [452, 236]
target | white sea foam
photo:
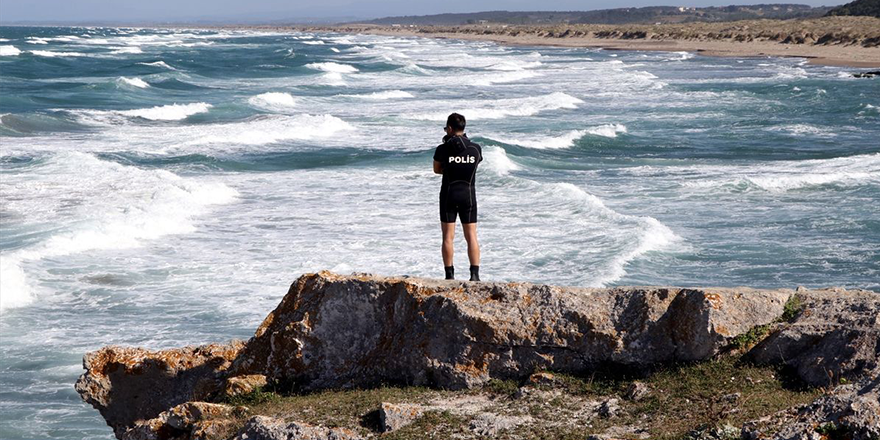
[134, 82]
[127, 50]
[37, 40]
[95, 41]
[97, 205]
[273, 101]
[785, 176]
[414, 68]
[53, 54]
[541, 142]
[651, 234]
[332, 67]
[13, 284]
[9, 51]
[171, 112]
[377, 96]
[607, 130]
[509, 107]
[780, 183]
[158, 64]
[280, 128]
[804, 130]
[313, 42]
[562, 141]
[499, 78]
[333, 79]
[784, 72]
[514, 65]
[495, 160]
[681, 56]
[342, 40]
[4, 40]
[334, 49]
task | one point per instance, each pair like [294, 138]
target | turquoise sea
[163, 187]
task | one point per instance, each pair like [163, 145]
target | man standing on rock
[456, 159]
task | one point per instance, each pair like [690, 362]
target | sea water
[163, 187]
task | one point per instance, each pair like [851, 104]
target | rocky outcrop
[192, 420]
[267, 428]
[127, 385]
[238, 385]
[851, 411]
[837, 336]
[333, 331]
[393, 417]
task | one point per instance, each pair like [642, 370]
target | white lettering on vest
[460, 159]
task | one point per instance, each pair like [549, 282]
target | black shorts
[459, 199]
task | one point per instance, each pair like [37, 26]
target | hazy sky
[181, 10]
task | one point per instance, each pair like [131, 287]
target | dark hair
[456, 122]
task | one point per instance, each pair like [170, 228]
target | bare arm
[438, 167]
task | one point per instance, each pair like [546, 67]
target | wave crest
[171, 112]
[387, 94]
[273, 101]
[332, 67]
[134, 82]
[9, 51]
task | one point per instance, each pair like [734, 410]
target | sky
[280, 10]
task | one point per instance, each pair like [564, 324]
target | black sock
[475, 273]
[450, 272]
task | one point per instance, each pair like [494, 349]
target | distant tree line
[858, 7]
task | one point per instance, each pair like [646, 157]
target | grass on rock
[682, 399]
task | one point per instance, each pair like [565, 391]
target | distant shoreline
[829, 41]
[823, 56]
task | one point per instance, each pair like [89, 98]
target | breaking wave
[332, 67]
[378, 96]
[118, 207]
[510, 107]
[9, 51]
[134, 82]
[171, 112]
[273, 101]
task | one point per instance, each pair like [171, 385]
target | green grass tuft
[748, 339]
[256, 397]
[503, 387]
[793, 307]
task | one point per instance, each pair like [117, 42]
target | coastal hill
[352, 357]
[858, 7]
[645, 15]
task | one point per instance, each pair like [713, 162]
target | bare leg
[470, 234]
[447, 249]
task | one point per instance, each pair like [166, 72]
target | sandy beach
[837, 41]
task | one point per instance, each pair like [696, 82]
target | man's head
[455, 124]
